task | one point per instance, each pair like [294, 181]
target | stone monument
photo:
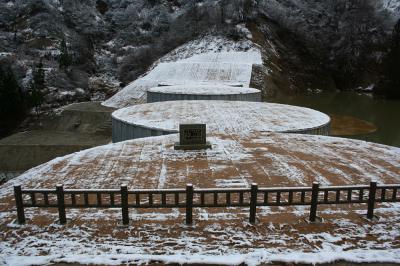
[192, 137]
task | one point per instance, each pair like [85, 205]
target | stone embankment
[78, 127]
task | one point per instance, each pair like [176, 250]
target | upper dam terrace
[237, 117]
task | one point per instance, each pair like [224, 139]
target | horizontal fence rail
[191, 197]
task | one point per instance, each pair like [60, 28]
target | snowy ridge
[210, 45]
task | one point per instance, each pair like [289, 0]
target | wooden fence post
[314, 201]
[20, 204]
[253, 203]
[189, 204]
[371, 199]
[124, 204]
[61, 204]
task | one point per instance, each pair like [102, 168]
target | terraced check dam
[251, 142]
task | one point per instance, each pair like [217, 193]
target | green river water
[384, 114]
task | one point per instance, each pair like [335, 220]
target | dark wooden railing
[190, 198]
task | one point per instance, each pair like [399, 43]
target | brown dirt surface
[342, 125]
[218, 235]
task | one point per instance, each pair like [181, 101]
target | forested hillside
[90, 49]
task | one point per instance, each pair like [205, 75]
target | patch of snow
[391, 5]
[231, 183]
[370, 88]
[242, 28]
[5, 54]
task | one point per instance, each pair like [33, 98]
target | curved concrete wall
[122, 131]
[163, 97]
[323, 130]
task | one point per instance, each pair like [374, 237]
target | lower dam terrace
[234, 161]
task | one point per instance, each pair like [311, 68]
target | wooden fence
[190, 198]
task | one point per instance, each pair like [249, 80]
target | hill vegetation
[92, 48]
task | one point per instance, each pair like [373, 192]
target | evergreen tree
[65, 58]
[11, 100]
[37, 87]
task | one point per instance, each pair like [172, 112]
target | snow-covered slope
[203, 62]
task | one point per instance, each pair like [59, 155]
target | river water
[384, 114]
